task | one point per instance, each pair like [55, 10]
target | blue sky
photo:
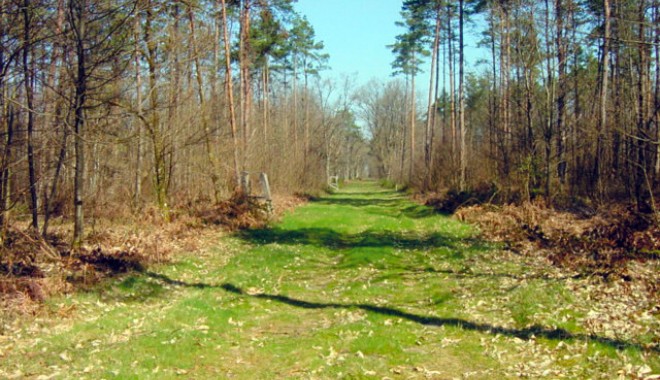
[356, 33]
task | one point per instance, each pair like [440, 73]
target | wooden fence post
[265, 186]
[333, 182]
[245, 182]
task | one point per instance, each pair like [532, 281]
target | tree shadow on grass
[378, 192]
[528, 333]
[327, 237]
[392, 206]
[360, 202]
[419, 212]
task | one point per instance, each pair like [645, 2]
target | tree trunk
[229, 92]
[560, 14]
[577, 104]
[58, 55]
[78, 9]
[461, 96]
[505, 77]
[493, 98]
[428, 138]
[137, 178]
[643, 97]
[294, 86]
[56, 177]
[550, 91]
[306, 112]
[602, 111]
[5, 173]
[266, 112]
[452, 81]
[413, 116]
[28, 82]
[246, 81]
[215, 179]
[404, 138]
[169, 129]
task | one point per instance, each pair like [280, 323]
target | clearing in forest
[359, 284]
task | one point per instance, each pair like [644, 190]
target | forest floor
[359, 284]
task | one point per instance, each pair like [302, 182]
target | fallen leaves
[65, 356]
[604, 244]
[347, 316]
[233, 322]
[448, 342]
[247, 332]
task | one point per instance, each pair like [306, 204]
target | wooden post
[265, 193]
[265, 187]
[333, 182]
[245, 182]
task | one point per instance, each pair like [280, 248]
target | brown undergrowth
[603, 244]
[33, 268]
[237, 212]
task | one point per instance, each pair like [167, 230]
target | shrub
[453, 199]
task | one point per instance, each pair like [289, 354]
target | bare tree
[91, 24]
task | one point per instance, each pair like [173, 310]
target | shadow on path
[328, 237]
[359, 202]
[525, 334]
[391, 206]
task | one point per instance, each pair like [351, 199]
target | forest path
[359, 284]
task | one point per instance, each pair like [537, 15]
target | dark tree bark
[560, 14]
[461, 96]
[28, 82]
[78, 22]
[602, 114]
[642, 180]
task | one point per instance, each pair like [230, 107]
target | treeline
[566, 104]
[113, 105]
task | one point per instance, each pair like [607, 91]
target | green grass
[359, 284]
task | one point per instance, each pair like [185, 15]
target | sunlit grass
[359, 284]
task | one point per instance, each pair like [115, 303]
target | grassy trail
[360, 284]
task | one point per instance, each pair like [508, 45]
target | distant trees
[409, 51]
[567, 106]
[382, 107]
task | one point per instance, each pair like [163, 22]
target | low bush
[237, 212]
[451, 200]
[600, 245]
